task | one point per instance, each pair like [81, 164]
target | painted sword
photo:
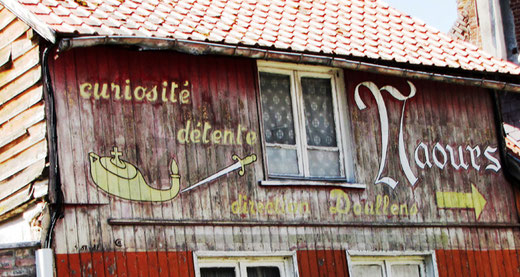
[240, 164]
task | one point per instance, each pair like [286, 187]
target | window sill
[316, 183]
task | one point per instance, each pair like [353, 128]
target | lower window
[391, 264]
[242, 264]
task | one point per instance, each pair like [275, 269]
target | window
[392, 264]
[303, 113]
[244, 264]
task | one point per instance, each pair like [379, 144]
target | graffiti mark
[118, 243]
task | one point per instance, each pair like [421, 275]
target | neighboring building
[236, 138]
[494, 25]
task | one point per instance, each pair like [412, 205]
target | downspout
[45, 256]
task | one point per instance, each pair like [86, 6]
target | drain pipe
[44, 262]
[45, 255]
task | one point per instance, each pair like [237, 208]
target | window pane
[277, 108]
[282, 161]
[367, 271]
[319, 112]
[263, 271]
[406, 270]
[217, 272]
[324, 163]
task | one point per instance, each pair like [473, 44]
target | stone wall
[467, 27]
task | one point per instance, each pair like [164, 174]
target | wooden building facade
[189, 155]
[426, 183]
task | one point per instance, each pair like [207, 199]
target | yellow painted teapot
[124, 180]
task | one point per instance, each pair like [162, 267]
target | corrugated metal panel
[23, 146]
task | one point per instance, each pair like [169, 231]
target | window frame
[342, 127]
[285, 260]
[426, 260]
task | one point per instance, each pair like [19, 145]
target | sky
[440, 14]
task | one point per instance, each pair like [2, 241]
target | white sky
[440, 14]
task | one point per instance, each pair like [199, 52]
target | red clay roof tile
[361, 28]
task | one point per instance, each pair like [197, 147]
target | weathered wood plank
[5, 57]
[81, 140]
[21, 179]
[6, 17]
[20, 66]
[20, 104]
[18, 126]
[61, 66]
[22, 83]
[11, 32]
[15, 200]
[28, 157]
[22, 45]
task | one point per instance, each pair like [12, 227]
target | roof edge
[209, 48]
[30, 19]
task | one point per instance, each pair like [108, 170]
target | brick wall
[18, 259]
[467, 10]
[515, 8]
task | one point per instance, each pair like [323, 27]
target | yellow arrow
[461, 200]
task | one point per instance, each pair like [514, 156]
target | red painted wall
[311, 263]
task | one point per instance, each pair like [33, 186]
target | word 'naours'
[166, 92]
[439, 153]
[204, 133]
[381, 206]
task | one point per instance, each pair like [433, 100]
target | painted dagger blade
[238, 165]
[224, 171]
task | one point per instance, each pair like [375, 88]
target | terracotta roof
[359, 28]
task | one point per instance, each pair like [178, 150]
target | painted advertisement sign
[174, 137]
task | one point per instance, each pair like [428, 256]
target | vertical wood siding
[101, 232]
[23, 147]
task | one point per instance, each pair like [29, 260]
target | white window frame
[343, 134]
[285, 261]
[426, 260]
